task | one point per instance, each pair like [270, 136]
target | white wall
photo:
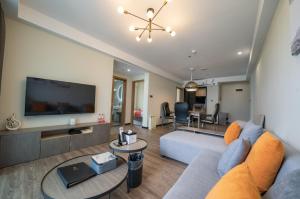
[212, 98]
[162, 90]
[31, 51]
[236, 103]
[276, 80]
[146, 99]
[139, 95]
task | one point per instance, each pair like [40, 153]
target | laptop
[76, 173]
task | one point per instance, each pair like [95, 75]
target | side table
[136, 147]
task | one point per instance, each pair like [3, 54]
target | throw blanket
[295, 48]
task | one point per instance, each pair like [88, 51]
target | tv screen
[200, 100]
[51, 97]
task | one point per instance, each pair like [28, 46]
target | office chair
[181, 114]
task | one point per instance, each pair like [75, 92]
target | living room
[149, 99]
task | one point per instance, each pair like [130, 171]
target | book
[74, 174]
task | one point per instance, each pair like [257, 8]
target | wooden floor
[23, 181]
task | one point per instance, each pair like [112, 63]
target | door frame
[123, 102]
[133, 98]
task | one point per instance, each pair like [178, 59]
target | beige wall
[162, 90]
[31, 51]
[276, 81]
[236, 103]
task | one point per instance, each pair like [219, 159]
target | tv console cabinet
[29, 144]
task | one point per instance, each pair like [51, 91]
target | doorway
[179, 94]
[137, 102]
[118, 101]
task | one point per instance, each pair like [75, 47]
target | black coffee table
[98, 186]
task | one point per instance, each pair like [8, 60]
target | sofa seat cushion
[185, 146]
[198, 178]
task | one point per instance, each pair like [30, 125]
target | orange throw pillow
[264, 160]
[232, 133]
[236, 184]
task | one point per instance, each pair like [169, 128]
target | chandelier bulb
[168, 29]
[121, 10]
[149, 39]
[138, 38]
[173, 33]
[131, 28]
[150, 13]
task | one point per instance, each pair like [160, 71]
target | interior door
[118, 101]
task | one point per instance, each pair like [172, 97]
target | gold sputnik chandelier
[151, 25]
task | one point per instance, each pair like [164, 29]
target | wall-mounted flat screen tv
[51, 97]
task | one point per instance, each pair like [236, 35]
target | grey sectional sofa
[202, 153]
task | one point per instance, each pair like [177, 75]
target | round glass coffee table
[95, 187]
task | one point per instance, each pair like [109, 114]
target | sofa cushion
[185, 146]
[241, 123]
[290, 164]
[232, 132]
[286, 188]
[236, 184]
[198, 178]
[251, 132]
[264, 160]
[235, 154]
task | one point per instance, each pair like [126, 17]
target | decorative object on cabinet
[12, 123]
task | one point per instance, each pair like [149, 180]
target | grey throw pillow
[241, 123]
[251, 132]
[286, 188]
[235, 154]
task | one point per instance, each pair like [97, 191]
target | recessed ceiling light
[194, 52]
[240, 53]
[128, 70]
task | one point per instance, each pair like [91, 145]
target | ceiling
[216, 29]
[127, 69]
